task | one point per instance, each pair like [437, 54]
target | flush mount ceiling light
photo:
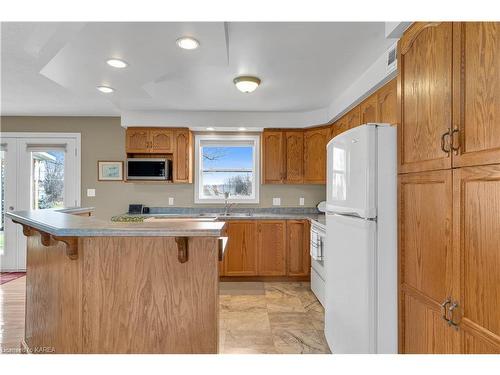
[210, 128]
[246, 83]
[105, 89]
[242, 129]
[117, 63]
[186, 42]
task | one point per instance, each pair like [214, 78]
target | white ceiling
[53, 68]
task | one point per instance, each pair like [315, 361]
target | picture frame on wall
[109, 170]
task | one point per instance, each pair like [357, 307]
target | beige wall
[104, 139]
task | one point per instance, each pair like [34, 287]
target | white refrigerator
[361, 241]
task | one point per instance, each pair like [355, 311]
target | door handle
[451, 309]
[443, 136]
[444, 309]
[452, 136]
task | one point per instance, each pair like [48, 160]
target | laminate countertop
[63, 223]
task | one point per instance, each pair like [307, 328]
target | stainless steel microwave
[149, 169]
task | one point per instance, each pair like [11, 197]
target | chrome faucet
[227, 205]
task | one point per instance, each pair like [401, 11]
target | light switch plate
[90, 192]
[301, 201]
[276, 201]
[170, 201]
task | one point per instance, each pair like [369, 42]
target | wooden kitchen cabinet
[425, 79]
[161, 141]
[241, 253]
[387, 103]
[476, 96]
[298, 243]
[476, 252]
[183, 156]
[137, 140]
[294, 154]
[315, 141]
[273, 164]
[271, 248]
[426, 262]
[368, 110]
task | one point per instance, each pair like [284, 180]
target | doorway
[38, 171]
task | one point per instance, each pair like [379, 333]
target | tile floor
[254, 318]
[270, 318]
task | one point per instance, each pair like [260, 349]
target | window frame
[223, 138]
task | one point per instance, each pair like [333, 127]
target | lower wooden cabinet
[267, 248]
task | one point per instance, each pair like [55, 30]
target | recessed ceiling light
[105, 89]
[246, 83]
[210, 129]
[242, 129]
[187, 42]
[117, 63]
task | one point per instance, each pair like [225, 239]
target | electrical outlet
[301, 201]
[276, 201]
[170, 201]
[90, 192]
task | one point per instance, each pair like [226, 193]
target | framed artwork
[110, 171]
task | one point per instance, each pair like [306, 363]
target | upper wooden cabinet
[298, 257]
[137, 140]
[315, 141]
[183, 163]
[476, 97]
[161, 141]
[149, 140]
[272, 248]
[425, 79]
[387, 103]
[273, 168]
[368, 110]
[294, 156]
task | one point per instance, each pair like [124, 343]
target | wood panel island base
[99, 287]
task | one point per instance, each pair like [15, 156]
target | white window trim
[223, 137]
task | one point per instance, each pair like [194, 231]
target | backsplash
[252, 210]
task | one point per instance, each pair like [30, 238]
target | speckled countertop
[64, 224]
[248, 214]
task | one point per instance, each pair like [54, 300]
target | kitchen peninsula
[95, 286]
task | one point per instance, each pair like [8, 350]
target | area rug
[5, 277]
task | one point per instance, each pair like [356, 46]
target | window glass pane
[47, 179]
[2, 201]
[227, 169]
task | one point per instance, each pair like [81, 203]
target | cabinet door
[182, 163]
[241, 253]
[425, 78]
[294, 141]
[297, 239]
[387, 103]
[161, 141]
[426, 262]
[137, 140]
[272, 248]
[476, 100]
[353, 118]
[273, 157]
[476, 242]
[368, 110]
[315, 141]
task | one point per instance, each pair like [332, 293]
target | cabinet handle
[452, 135]
[443, 136]
[444, 310]
[451, 309]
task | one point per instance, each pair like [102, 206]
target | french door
[38, 170]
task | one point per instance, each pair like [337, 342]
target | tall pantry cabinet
[449, 188]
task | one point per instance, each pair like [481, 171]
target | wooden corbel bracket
[182, 249]
[71, 246]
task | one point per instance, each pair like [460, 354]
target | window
[227, 164]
